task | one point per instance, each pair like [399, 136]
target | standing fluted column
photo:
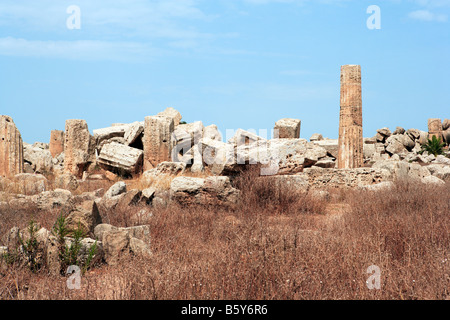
[350, 121]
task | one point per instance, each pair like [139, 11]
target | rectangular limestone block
[288, 128]
[157, 140]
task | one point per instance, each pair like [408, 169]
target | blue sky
[235, 63]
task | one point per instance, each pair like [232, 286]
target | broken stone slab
[110, 132]
[432, 180]
[56, 199]
[331, 145]
[41, 160]
[243, 137]
[399, 130]
[316, 137]
[395, 145]
[116, 189]
[29, 184]
[213, 190]
[287, 128]
[184, 139]
[216, 154]
[383, 134]
[212, 132]
[133, 132]
[119, 241]
[121, 158]
[85, 216]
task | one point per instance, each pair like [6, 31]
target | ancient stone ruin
[78, 147]
[11, 148]
[56, 145]
[163, 146]
[350, 153]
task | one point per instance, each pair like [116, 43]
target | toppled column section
[11, 148]
[157, 140]
[56, 143]
[435, 129]
[288, 128]
[120, 158]
[78, 147]
[350, 123]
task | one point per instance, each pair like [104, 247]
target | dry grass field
[276, 244]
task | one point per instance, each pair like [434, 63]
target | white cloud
[426, 15]
[77, 50]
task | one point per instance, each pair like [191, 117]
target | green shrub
[434, 146]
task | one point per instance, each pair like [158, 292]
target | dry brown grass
[276, 245]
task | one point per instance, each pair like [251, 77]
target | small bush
[434, 146]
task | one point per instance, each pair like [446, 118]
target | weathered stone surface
[26, 183]
[119, 241]
[423, 137]
[440, 171]
[432, 180]
[110, 132]
[119, 140]
[116, 189]
[115, 242]
[216, 154]
[213, 190]
[185, 139]
[41, 160]
[446, 135]
[386, 185]
[130, 198]
[11, 148]
[244, 137]
[445, 124]
[288, 128]
[172, 113]
[66, 181]
[78, 147]
[325, 163]
[401, 170]
[133, 133]
[338, 178]
[350, 123]
[57, 199]
[212, 132]
[121, 158]
[435, 128]
[56, 143]
[399, 130]
[395, 145]
[157, 140]
[414, 134]
[316, 137]
[85, 216]
[331, 145]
